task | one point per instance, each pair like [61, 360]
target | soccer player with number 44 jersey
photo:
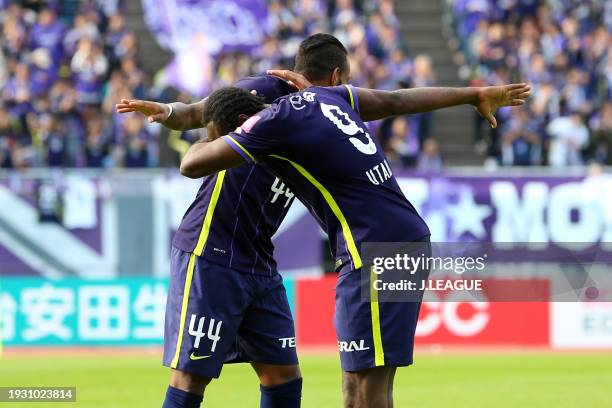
[226, 300]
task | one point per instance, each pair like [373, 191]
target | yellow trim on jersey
[379, 353]
[348, 235]
[179, 145]
[348, 88]
[210, 211]
[179, 339]
[241, 147]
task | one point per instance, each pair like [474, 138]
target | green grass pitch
[470, 380]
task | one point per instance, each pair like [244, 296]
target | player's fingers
[520, 95]
[286, 74]
[519, 91]
[516, 86]
[125, 110]
[281, 73]
[524, 95]
[138, 103]
[517, 102]
[491, 119]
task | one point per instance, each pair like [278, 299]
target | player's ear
[242, 118]
[335, 77]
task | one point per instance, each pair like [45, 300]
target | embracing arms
[204, 158]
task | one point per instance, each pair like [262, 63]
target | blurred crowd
[563, 48]
[65, 63]
[62, 67]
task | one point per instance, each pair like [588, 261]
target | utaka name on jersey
[316, 141]
[237, 211]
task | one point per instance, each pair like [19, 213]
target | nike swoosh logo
[192, 356]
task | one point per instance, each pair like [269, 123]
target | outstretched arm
[205, 158]
[375, 104]
[177, 115]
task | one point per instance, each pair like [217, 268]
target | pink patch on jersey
[248, 125]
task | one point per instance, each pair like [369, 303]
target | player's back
[236, 212]
[316, 141]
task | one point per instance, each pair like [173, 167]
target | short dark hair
[224, 105]
[319, 55]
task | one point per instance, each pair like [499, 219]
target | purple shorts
[215, 315]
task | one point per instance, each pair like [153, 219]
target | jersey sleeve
[348, 93]
[257, 137]
[267, 86]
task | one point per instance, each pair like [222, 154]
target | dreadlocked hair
[224, 106]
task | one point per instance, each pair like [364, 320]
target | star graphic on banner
[468, 216]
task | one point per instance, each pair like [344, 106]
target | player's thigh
[205, 305]
[267, 332]
[372, 334]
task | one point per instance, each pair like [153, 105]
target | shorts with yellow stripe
[216, 315]
[373, 333]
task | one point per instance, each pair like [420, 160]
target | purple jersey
[316, 141]
[236, 212]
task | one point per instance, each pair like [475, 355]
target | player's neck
[320, 83]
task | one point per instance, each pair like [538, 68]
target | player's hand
[491, 98]
[155, 111]
[298, 81]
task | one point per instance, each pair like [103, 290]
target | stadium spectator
[423, 76]
[430, 159]
[135, 143]
[13, 34]
[89, 66]
[568, 137]
[403, 146]
[11, 130]
[47, 34]
[53, 138]
[83, 28]
[17, 92]
[521, 141]
[601, 138]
